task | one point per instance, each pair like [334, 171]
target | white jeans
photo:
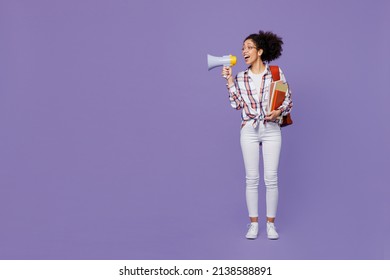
[269, 135]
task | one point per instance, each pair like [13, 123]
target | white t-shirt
[257, 78]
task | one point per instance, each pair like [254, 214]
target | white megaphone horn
[216, 61]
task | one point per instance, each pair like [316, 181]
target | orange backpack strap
[275, 72]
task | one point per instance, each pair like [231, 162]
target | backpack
[276, 77]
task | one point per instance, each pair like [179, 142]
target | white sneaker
[271, 231]
[253, 231]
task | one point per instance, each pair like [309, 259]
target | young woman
[250, 93]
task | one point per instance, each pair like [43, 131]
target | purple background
[117, 143]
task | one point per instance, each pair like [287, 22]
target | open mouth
[246, 57]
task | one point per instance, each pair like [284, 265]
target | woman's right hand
[227, 74]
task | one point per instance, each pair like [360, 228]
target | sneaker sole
[251, 238]
[273, 237]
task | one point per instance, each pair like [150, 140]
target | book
[277, 95]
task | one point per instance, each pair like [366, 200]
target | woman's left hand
[273, 115]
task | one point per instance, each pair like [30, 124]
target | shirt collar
[266, 66]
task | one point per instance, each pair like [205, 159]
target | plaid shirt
[243, 95]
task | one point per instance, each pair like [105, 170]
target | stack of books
[278, 94]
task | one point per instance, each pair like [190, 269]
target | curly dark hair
[269, 42]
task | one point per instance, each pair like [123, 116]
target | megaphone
[216, 61]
